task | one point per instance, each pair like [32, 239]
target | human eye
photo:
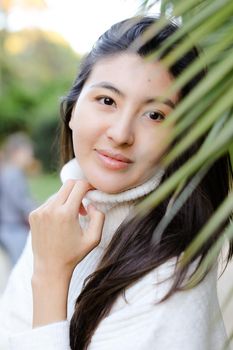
[155, 115]
[105, 100]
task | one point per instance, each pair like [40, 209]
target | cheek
[155, 147]
[86, 133]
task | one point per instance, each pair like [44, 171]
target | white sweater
[189, 320]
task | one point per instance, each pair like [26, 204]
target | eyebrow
[112, 88]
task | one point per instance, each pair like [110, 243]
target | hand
[58, 241]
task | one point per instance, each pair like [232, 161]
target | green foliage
[43, 186]
[46, 142]
[206, 111]
[210, 103]
[36, 69]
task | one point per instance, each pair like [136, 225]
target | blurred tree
[38, 70]
[5, 8]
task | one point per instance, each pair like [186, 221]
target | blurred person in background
[15, 199]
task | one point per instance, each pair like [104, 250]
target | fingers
[82, 210]
[74, 200]
[70, 195]
[61, 196]
[95, 227]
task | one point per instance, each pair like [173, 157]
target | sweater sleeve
[189, 320]
[16, 313]
[16, 301]
[52, 337]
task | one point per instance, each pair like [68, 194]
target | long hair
[132, 240]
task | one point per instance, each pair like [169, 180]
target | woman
[98, 282]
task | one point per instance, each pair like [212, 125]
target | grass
[43, 186]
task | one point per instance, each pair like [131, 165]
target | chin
[107, 188]
[110, 189]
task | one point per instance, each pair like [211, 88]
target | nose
[121, 131]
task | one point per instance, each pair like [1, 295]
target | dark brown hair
[132, 243]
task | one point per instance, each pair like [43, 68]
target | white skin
[128, 122]
[121, 116]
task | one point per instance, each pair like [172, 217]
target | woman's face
[118, 136]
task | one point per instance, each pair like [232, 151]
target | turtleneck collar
[72, 170]
[116, 207]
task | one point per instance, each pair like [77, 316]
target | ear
[71, 120]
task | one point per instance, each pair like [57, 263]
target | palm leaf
[207, 110]
[215, 91]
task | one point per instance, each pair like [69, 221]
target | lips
[113, 161]
[115, 156]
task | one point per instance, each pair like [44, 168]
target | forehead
[131, 73]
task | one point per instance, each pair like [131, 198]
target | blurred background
[41, 44]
